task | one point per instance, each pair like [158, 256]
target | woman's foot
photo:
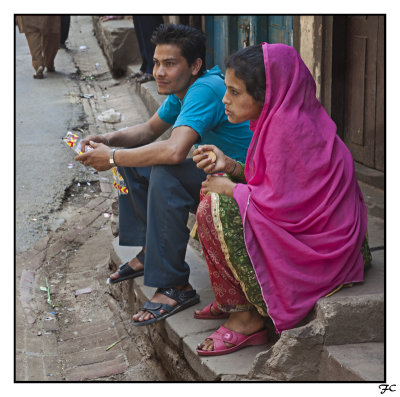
[245, 323]
[159, 298]
[210, 312]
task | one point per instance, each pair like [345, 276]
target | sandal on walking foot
[207, 314]
[184, 299]
[39, 73]
[222, 335]
[145, 78]
[125, 272]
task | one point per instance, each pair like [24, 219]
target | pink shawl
[303, 212]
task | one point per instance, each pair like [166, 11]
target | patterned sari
[220, 231]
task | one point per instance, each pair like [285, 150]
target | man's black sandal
[184, 298]
[125, 272]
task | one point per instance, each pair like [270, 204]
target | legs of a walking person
[144, 28]
[34, 40]
[65, 25]
[149, 24]
[51, 44]
[140, 38]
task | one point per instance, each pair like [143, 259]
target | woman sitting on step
[289, 226]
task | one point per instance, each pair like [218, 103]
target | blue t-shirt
[202, 109]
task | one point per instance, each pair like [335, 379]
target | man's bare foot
[159, 298]
[245, 323]
[134, 263]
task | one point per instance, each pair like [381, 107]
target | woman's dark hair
[248, 65]
[191, 41]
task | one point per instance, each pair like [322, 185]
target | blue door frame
[227, 34]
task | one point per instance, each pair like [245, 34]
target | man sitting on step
[163, 184]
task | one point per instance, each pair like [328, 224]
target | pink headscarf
[303, 212]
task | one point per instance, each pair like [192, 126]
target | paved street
[45, 110]
[63, 226]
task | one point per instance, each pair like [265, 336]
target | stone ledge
[350, 316]
[118, 41]
[353, 363]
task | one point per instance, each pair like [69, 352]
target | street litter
[113, 344]
[87, 96]
[87, 290]
[47, 289]
[110, 116]
[70, 165]
[82, 47]
[106, 96]
[74, 142]
[98, 67]
[106, 215]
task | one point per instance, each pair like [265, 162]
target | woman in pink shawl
[289, 226]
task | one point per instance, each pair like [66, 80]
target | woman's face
[239, 104]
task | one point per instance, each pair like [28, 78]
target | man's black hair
[248, 65]
[191, 41]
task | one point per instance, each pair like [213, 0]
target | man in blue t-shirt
[163, 184]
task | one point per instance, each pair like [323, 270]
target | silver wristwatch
[112, 157]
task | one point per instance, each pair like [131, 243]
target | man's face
[171, 71]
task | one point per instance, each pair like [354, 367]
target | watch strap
[112, 162]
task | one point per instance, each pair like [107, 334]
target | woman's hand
[205, 163]
[218, 184]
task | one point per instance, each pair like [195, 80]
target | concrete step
[353, 315]
[118, 41]
[374, 199]
[182, 330]
[352, 363]
[356, 314]
[370, 176]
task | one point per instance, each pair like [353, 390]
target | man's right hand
[93, 138]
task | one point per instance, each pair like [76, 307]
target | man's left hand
[98, 158]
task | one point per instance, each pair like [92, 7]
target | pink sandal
[207, 314]
[239, 340]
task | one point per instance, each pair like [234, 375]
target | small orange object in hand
[211, 155]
